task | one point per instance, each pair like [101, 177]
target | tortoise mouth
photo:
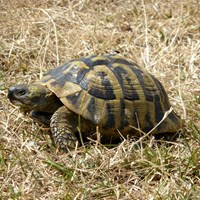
[24, 106]
[17, 103]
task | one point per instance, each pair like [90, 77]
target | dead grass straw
[161, 36]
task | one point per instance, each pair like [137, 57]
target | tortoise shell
[112, 93]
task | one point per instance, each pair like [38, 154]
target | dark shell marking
[113, 93]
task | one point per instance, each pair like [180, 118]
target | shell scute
[112, 92]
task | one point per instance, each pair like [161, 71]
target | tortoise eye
[21, 92]
[16, 91]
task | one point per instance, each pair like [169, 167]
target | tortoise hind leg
[63, 127]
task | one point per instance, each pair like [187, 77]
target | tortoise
[104, 91]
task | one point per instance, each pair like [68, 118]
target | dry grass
[162, 36]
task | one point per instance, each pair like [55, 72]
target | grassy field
[161, 36]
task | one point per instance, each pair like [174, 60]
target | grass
[36, 36]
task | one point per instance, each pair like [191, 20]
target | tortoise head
[33, 97]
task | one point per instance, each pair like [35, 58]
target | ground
[161, 36]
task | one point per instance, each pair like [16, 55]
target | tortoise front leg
[63, 125]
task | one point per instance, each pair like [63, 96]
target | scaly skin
[44, 107]
[34, 97]
[63, 127]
